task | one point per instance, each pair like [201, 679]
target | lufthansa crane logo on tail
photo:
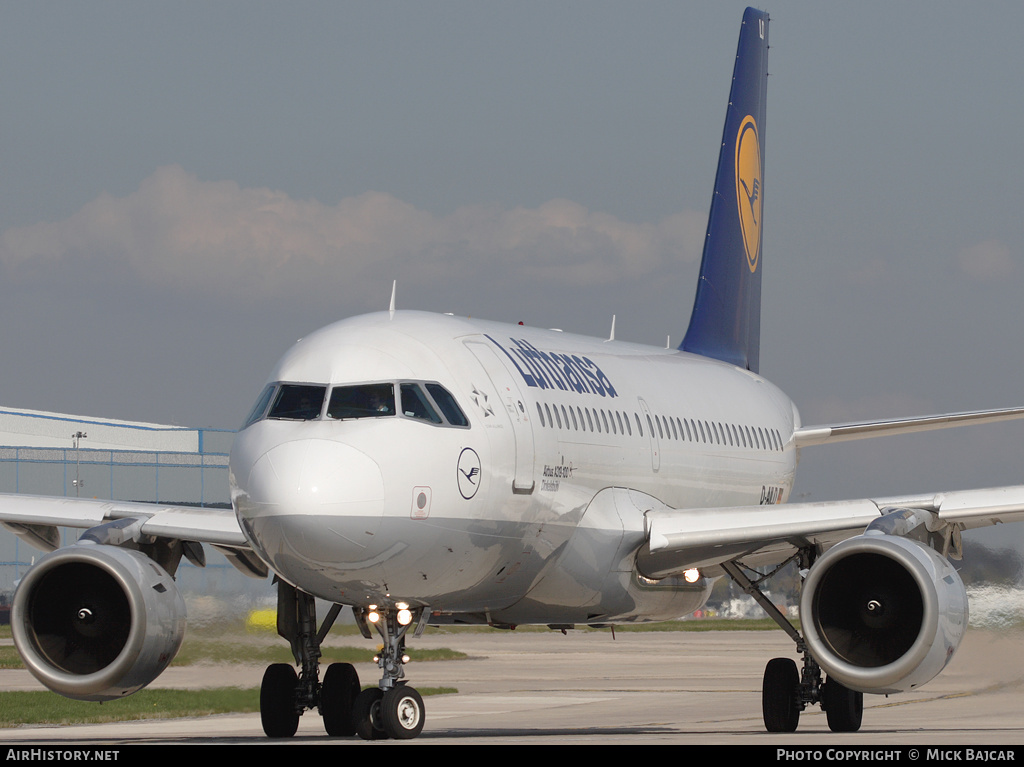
[748, 188]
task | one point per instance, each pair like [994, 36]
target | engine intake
[97, 622]
[882, 613]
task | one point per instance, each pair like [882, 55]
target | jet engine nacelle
[883, 614]
[97, 622]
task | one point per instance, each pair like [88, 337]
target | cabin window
[540, 414]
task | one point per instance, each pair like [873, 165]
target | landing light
[692, 575]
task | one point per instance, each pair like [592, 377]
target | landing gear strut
[285, 696]
[785, 692]
[390, 710]
[393, 709]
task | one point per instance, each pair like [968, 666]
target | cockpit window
[366, 401]
[448, 405]
[261, 405]
[298, 402]
[426, 402]
[416, 405]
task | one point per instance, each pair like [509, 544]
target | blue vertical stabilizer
[726, 320]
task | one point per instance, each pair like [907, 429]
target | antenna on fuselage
[611, 337]
[391, 308]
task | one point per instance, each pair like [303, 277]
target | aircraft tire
[779, 691]
[402, 712]
[844, 708]
[278, 714]
[366, 720]
[337, 697]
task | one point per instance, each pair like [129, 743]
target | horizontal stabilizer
[819, 435]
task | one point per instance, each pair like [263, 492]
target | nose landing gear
[393, 709]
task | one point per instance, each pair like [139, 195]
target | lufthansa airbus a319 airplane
[427, 469]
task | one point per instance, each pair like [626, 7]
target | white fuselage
[524, 515]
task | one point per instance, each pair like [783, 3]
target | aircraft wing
[678, 539]
[35, 519]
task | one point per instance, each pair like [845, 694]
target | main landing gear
[785, 691]
[391, 710]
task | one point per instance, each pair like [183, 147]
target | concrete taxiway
[663, 687]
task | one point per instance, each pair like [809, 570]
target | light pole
[78, 435]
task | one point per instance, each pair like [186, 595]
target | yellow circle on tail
[748, 188]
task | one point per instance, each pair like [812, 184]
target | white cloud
[178, 232]
[987, 261]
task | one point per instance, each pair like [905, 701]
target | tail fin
[726, 319]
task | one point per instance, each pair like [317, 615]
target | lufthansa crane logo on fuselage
[748, 188]
[468, 472]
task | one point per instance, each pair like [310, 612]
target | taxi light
[692, 575]
[404, 617]
[374, 616]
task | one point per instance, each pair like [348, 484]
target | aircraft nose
[316, 476]
[300, 491]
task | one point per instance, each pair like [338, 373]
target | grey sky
[187, 188]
